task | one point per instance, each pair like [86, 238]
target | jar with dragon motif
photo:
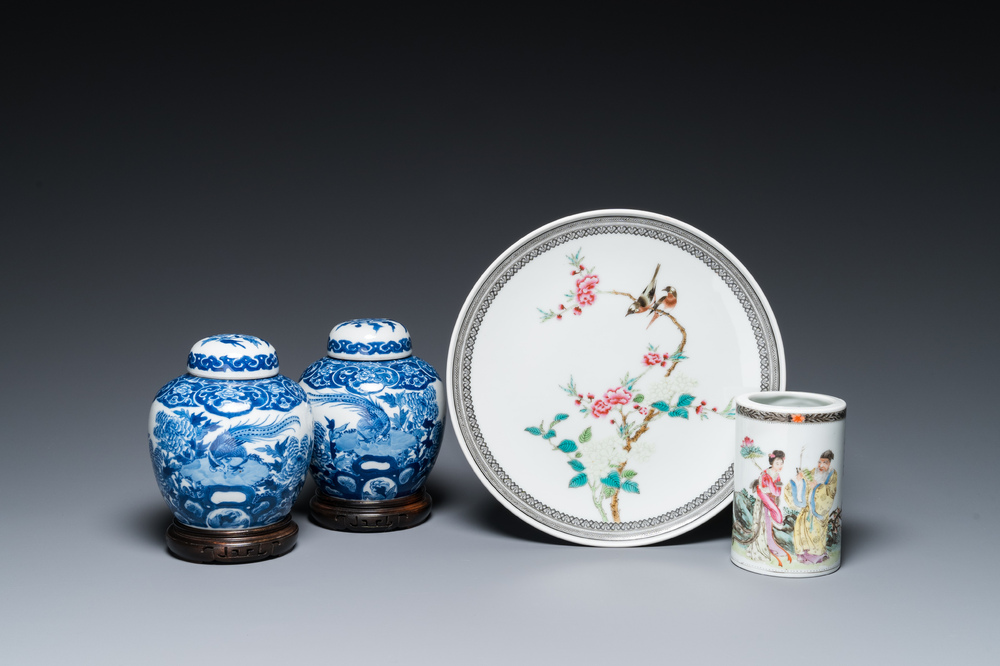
[379, 417]
[230, 442]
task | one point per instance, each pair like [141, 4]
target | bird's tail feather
[256, 432]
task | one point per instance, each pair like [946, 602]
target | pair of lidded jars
[231, 441]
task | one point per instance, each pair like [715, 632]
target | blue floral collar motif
[232, 398]
[370, 378]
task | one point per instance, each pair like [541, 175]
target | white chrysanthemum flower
[599, 455]
[668, 388]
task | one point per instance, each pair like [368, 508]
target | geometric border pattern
[779, 417]
[732, 277]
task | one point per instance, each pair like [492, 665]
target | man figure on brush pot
[812, 492]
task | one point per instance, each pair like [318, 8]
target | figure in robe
[760, 543]
[813, 492]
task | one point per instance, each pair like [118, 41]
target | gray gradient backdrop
[167, 180]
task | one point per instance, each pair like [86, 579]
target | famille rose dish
[593, 371]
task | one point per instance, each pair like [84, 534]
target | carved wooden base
[370, 515]
[232, 546]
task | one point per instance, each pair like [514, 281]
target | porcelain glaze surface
[593, 370]
[788, 474]
[230, 454]
[369, 339]
[378, 423]
[233, 356]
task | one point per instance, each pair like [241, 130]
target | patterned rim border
[779, 417]
[704, 504]
[230, 364]
[360, 348]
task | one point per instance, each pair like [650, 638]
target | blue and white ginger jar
[230, 440]
[378, 410]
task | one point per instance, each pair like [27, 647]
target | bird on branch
[666, 303]
[647, 301]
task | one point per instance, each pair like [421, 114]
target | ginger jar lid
[233, 356]
[369, 340]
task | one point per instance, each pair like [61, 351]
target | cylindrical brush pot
[788, 466]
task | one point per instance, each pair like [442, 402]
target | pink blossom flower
[587, 282]
[747, 442]
[652, 358]
[600, 408]
[618, 396]
[644, 410]
[585, 297]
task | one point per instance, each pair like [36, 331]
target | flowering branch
[605, 470]
[678, 355]
[584, 294]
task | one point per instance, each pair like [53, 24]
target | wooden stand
[232, 546]
[370, 515]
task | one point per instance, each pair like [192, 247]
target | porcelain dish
[592, 375]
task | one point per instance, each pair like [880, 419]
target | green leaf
[578, 480]
[638, 398]
[680, 411]
[567, 446]
[576, 465]
[534, 431]
[677, 356]
[585, 435]
[608, 491]
[660, 405]
[629, 473]
[579, 455]
[612, 480]
[561, 417]
[685, 400]
[549, 435]
[630, 487]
